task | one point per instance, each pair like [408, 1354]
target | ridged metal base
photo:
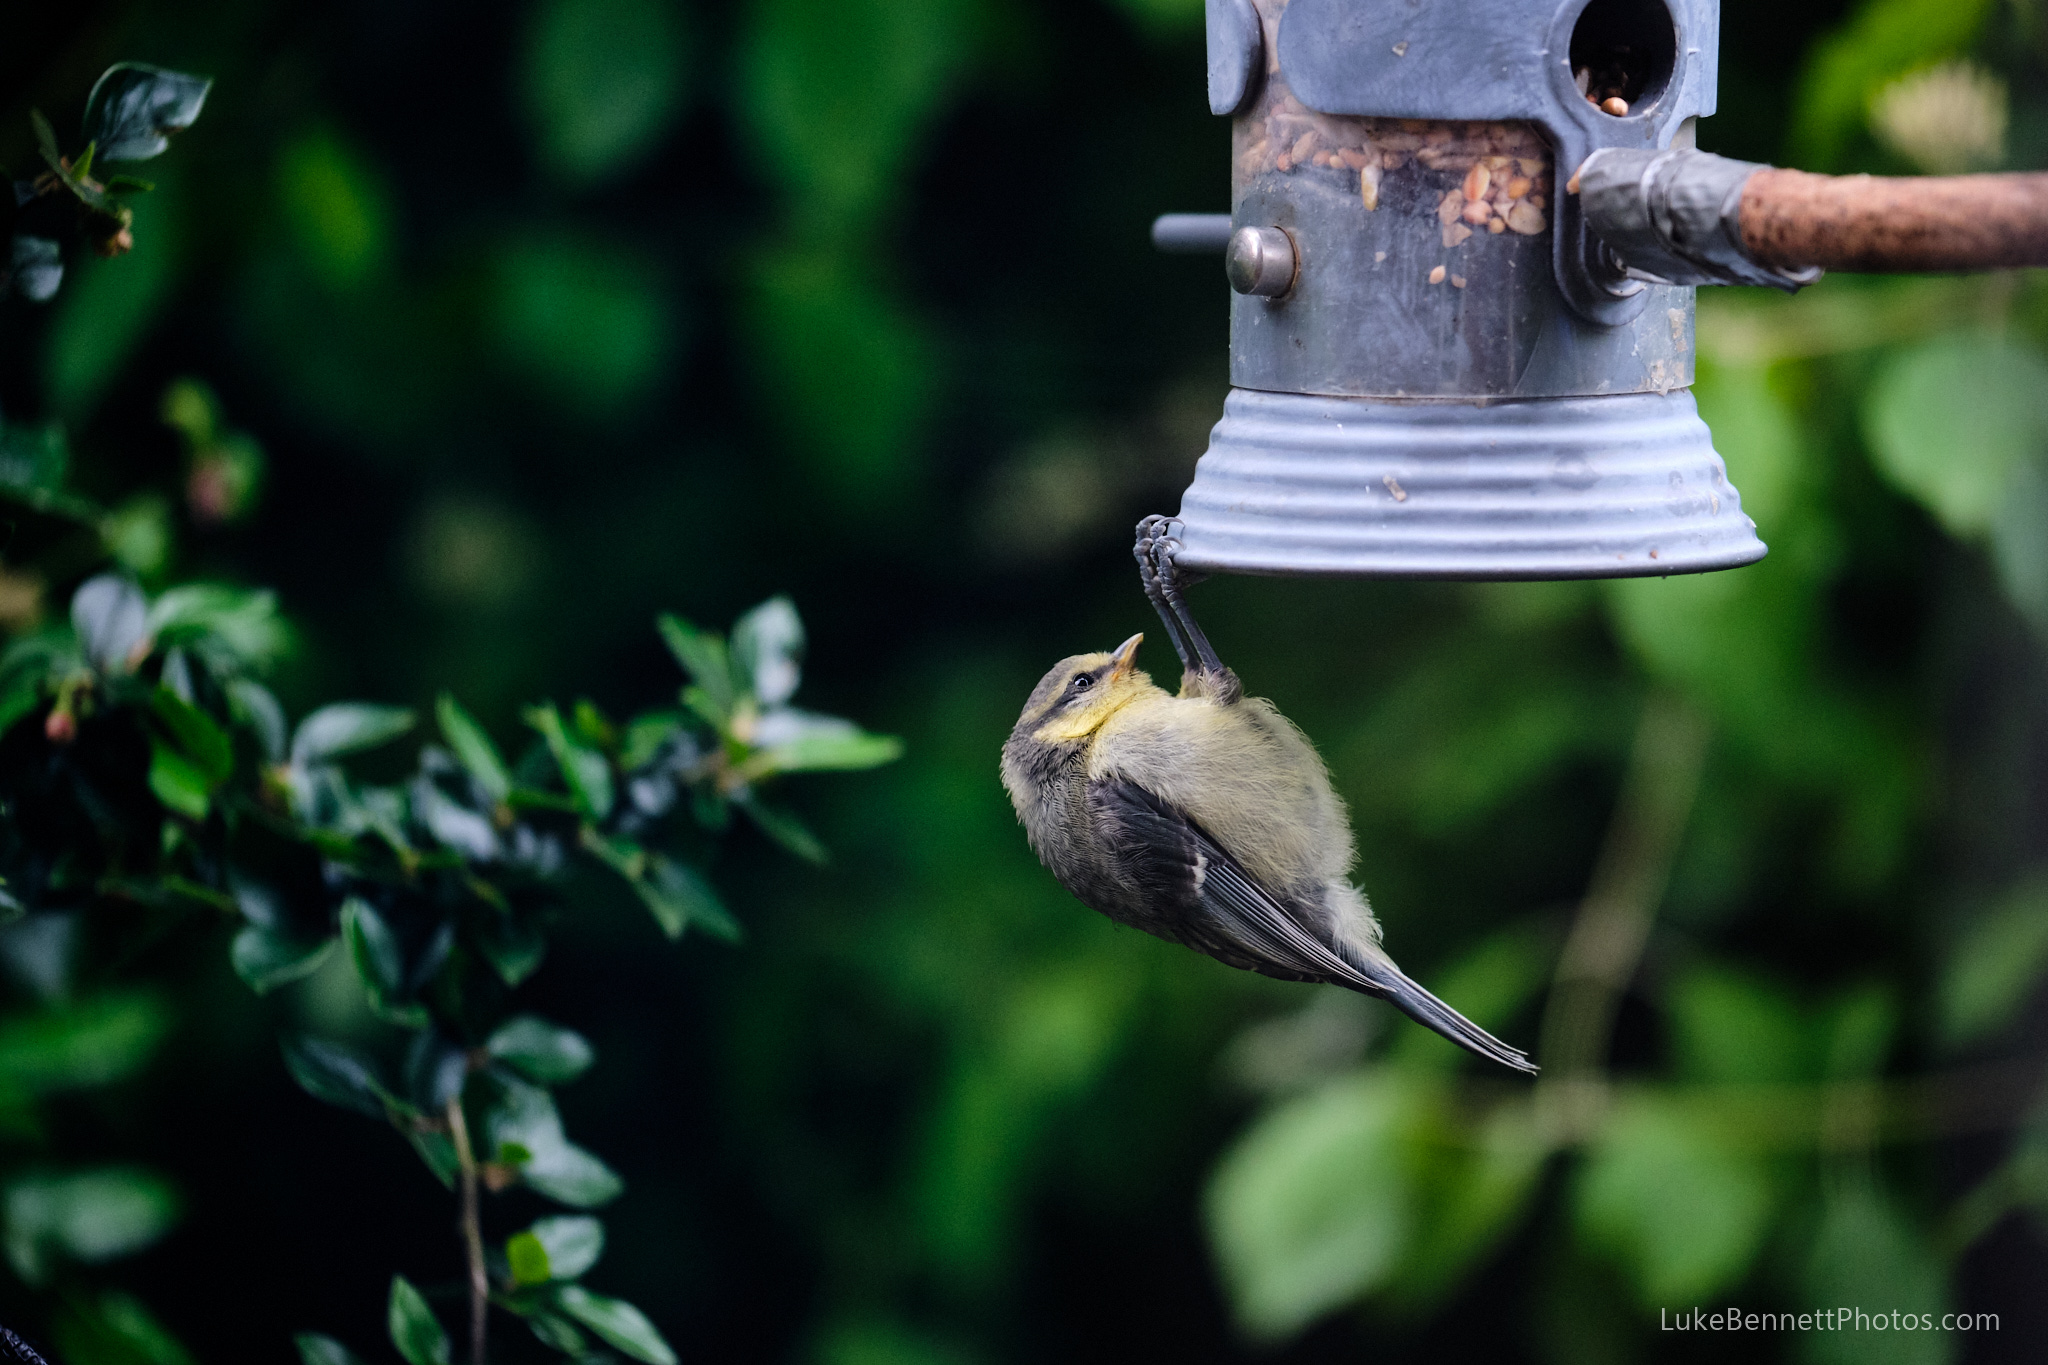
[1621, 486]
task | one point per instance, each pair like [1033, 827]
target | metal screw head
[1260, 261]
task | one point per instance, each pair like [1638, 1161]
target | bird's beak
[1127, 655]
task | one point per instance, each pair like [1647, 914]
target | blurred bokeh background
[484, 332]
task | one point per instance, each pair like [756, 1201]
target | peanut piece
[1525, 218]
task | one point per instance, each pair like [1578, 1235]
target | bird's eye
[1083, 683]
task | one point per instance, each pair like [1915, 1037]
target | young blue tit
[1204, 818]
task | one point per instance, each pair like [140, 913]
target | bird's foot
[1203, 673]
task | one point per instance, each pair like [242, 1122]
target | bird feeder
[1464, 242]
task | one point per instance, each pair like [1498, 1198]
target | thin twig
[1613, 924]
[472, 1231]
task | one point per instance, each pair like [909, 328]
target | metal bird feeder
[1464, 239]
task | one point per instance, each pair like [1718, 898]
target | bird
[1205, 817]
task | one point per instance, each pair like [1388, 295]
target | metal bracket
[1501, 60]
[1236, 49]
[1675, 217]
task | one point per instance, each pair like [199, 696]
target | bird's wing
[1227, 914]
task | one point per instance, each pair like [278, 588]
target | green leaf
[1681, 1212]
[542, 1052]
[1472, 1194]
[703, 656]
[527, 1259]
[91, 1216]
[555, 1249]
[437, 1150]
[618, 1322]
[784, 828]
[679, 897]
[1952, 419]
[558, 1333]
[266, 960]
[136, 1335]
[315, 1349]
[584, 770]
[1734, 1028]
[415, 1331]
[21, 693]
[513, 947]
[178, 782]
[473, 748]
[821, 322]
[374, 951]
[645, 734]
[337, 1074]
[256, 707]
[583, 322]
[246, 625]
[525, 1118]
[347, 727]
[835, 94]
[92, 1042]
[339, 210]
[602, 80]
[46, 141]
[824, 744]
[1866, 1252]
[1996, 966]
[195, 734]
[768, 650]
[133, 109]
[1313, 1206]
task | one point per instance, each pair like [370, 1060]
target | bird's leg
[1164, 581]
[1150, 530]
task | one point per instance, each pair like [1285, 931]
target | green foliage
[1866, 1251]
[415, 1331]
[579, 320]
[933, 1078]
[315, 1349]
[338, 211]
[602, 81]
[1952, 419]
[1995, 965]
[1678, 1208]
[1883, 40]
[88, 1216]
[150, 712]
[1313, 1208]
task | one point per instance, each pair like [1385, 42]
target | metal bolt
[1260, 261]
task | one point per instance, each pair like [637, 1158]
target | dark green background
[868, 316]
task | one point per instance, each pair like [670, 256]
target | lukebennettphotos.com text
[1822, 1320]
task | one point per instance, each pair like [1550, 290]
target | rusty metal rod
[1895, 224]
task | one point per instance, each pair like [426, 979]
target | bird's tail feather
[1418, 1004]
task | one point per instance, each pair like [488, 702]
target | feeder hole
[1623, 49]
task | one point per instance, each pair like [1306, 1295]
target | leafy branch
[144, 763]
[131, 115]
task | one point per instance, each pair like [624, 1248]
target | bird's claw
[1158, 545]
